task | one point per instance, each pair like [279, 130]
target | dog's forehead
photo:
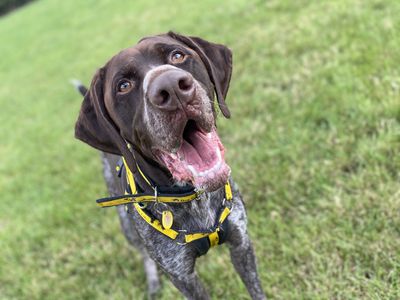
[150, 41]
[128, 56]
[141, 54]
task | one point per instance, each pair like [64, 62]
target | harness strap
[135, 197]
[156, 223]
[146, 197]
[203, 240]
[212, 236]
[202, 245]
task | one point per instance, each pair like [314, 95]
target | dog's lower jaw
[205, 185]
[199, 161]
[214, 178]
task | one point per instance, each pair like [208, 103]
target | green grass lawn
[313, 143]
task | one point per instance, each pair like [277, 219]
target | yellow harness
[214, 235]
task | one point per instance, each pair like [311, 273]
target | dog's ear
[218, 61]
[93, 124]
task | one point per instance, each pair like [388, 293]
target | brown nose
[171, 90]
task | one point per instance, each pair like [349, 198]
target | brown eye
[124, 86]
[177, 57]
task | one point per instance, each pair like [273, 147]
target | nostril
[185, 83]
[162, 98]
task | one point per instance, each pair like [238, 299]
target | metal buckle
[181, 243]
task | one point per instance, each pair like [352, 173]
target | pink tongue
[199, 151]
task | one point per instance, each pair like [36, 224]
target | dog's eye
[177, 57]
[124, 86]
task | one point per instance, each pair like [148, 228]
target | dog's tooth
[192, 170]
[218, 154]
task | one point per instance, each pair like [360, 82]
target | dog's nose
[171, 89]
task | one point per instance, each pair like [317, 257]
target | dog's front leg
[178, 263]
[241, 249]
[127, 226]
[244, 261]
[150, 267]
[190, 286]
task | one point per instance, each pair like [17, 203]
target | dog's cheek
[119, 111]
[201, 75]
[143, 142]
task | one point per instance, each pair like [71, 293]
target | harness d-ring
[155, 194]
[156, 202]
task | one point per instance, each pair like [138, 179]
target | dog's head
[158, 96]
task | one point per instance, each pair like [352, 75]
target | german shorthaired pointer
[153, 105]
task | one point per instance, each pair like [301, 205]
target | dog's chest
[197, 215]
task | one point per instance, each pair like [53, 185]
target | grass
[313, 143]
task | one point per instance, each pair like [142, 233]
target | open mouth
[199, 159]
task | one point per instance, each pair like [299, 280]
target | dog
[153, 105]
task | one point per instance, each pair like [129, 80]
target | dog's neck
[157, 174]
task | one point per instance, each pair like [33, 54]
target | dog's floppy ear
[218, 61]
[91, 126]
[96, 128]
